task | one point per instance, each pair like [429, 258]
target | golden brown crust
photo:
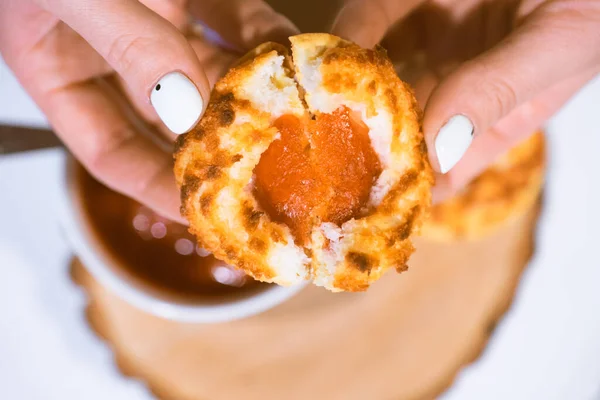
[501, 193]
[381, 240]
[203, 167]
[214, 166]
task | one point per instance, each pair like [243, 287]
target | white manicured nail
[452, 141]
[177, 102]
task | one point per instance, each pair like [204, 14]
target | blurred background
[546, 347]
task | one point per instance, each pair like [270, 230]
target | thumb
[366, 22]
[149, 53]
[243, 23]
[554, 43]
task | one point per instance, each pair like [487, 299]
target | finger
[244, 24]
[111, 148]
[508, 133]
[101, 136]
[215, 62]
[171, 10]
[366, 22]
[554, 44]
[31, 37]
[150, 53]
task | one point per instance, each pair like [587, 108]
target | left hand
[90, 65]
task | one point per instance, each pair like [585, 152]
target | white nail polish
[452, 141]
[177, 102]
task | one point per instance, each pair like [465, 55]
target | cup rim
[81, 241]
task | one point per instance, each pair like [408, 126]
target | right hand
[490, 72]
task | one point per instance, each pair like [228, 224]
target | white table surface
[547, 347]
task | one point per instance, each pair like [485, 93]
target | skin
[90, 66]
[508, 65]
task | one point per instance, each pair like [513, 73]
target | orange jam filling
[320, 170]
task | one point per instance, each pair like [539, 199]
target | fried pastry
[308, 166]
[501, 193]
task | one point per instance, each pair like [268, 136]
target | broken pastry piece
[309, 166]
[504, 191]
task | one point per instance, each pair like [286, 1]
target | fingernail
[177, 102]
[452, 141]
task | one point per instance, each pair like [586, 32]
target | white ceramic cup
[94, 257]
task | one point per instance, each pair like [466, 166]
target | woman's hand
[493, 71]
[110, 75]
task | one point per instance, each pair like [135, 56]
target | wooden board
[405, 338]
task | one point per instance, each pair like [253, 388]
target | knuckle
[125, 50]
[501, 93]
[100, 150]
